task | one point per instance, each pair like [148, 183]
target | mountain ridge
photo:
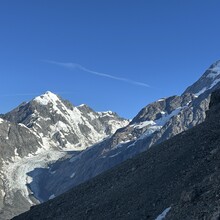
[178, 178]
[88, 142]
[38, 133]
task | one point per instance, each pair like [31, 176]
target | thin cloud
[78, 66]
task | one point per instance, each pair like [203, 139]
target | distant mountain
[154, 124]
[38, 133]
[177, 179]
[57, 122]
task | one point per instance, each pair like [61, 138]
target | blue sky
[114, 55]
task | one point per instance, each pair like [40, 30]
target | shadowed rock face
[182, 173]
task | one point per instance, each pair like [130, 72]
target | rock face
[13, 138]
[58, 122]
[154, 124]
[208, 81]
[178, 179]
[38, 133]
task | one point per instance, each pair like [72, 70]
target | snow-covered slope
[58, 123]
[175, 180]
[208, 81]
[41, 132]
[122, 145]
[16, 140]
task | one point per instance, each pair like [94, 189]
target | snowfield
[163, 214]
[15, 175]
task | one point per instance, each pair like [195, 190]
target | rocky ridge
[71, 133]
[177, 179]
[154, 124]
[38, 133]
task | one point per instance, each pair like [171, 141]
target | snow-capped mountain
[38, 133]
[155, 123]
[88, 142]
[208, 80]
[177, 179]
[60, 124]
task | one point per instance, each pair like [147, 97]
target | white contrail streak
[77, 66]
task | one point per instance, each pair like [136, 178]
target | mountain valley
[49, 146]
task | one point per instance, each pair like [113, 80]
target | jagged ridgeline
[39, 133]
[49, 146]
[176, 179]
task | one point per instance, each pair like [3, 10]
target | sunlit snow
[14, 172]
[163, 214]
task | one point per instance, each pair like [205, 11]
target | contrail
[78, 66]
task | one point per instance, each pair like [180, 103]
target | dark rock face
[50, 116]
[16, 141]
[214, 104]
[182, 173]
[13, 137]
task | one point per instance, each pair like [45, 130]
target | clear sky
[114, 55]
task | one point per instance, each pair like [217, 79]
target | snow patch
[155, 125]
[46, 98]
[166, 117]
[212, 75]
[215, 71]
[114, 155]
[92, 115]
[144, 124]
[106, 113]
[82, 105]
[52, 196]
[72, 175]
[23, 125]
[163, 214]
[215, 82]
[15, 175]
[160, 100]
[200, 92]
[16, 152]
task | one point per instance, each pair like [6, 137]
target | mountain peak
[207, 81]
[46, 98]
[214, 70]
